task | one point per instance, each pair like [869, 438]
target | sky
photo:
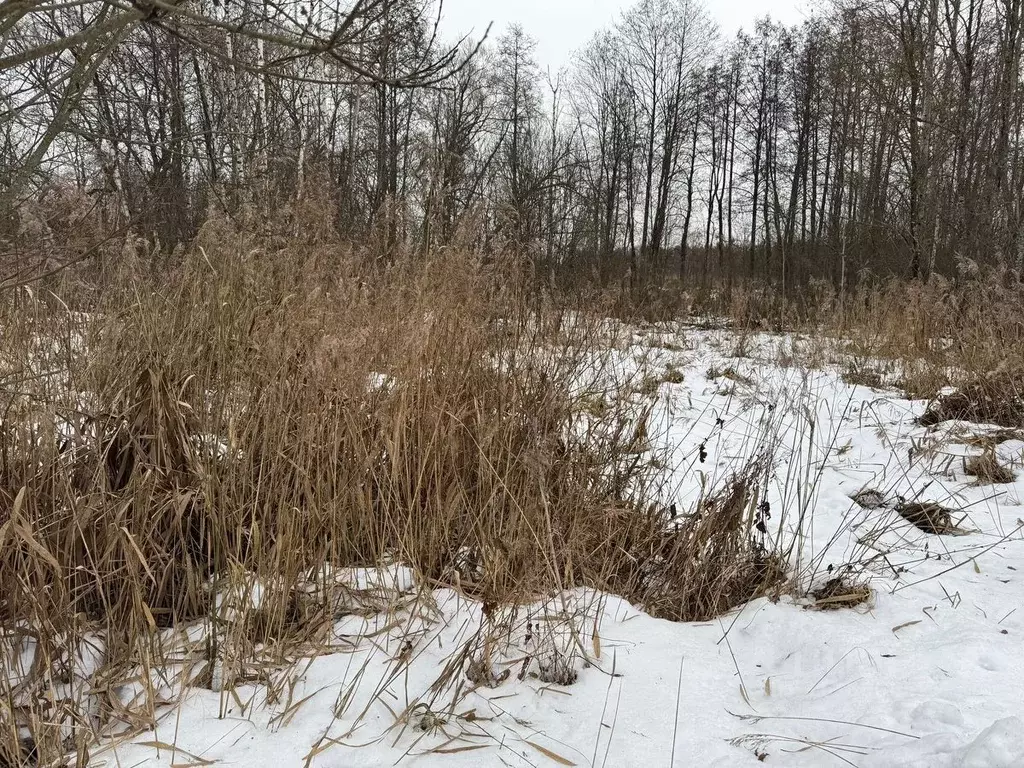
[561, 26]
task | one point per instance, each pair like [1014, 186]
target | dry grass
[989, 440]
[651, 384]
[869, 498]
[728, 372]
[996, 398]
[932, 518]
[863, 376]
[278, 406]
[713, 559]
[918, 336]
[274, 406]
[841, 592]
[941, 333]
[987, 469]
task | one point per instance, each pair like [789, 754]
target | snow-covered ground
[928, 672]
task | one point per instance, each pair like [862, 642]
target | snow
[927, 673]
[377, 381]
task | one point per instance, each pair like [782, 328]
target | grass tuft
[987, 469]
[930, 517]
[841, 592]
[995, 399]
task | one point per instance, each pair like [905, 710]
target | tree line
[880, 135]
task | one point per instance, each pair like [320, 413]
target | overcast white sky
[560, 26]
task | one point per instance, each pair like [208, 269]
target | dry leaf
[553, 755]
[904, 626]
[456, 750]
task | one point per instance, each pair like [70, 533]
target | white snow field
[928, 672]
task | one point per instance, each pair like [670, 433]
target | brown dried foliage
[274, 404]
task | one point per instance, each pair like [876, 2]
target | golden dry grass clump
[274, 404]
[987, 468]
[920, 336]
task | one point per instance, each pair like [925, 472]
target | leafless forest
[881, 135]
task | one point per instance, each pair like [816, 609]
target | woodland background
[879, 137]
